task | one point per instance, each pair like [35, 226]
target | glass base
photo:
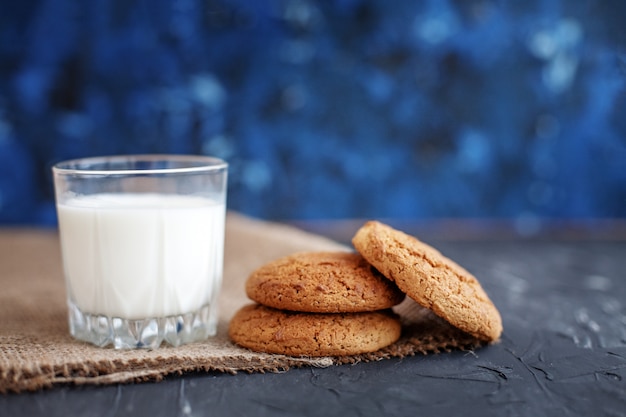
[144, 333]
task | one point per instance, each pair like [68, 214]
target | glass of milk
[142, 240]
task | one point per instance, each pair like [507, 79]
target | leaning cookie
[322, 282]
[264, 329]
[430, 278]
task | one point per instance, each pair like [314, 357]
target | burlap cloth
[36, 350]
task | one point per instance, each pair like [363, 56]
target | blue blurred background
[327, 109]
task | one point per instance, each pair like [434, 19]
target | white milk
[138, 256]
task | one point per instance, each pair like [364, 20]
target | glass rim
[196, 163]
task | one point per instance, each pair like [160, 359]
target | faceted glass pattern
[147, 333]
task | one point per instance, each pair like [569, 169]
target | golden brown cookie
[430, 278]
[322, 282]
[265, 329]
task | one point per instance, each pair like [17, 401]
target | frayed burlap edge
[105, 372]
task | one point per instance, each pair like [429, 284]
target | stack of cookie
[339, 303]
[318, 304]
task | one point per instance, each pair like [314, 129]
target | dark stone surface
[563, 353]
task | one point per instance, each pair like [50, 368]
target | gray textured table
[563, 352]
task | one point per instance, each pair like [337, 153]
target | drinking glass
[142, 242]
